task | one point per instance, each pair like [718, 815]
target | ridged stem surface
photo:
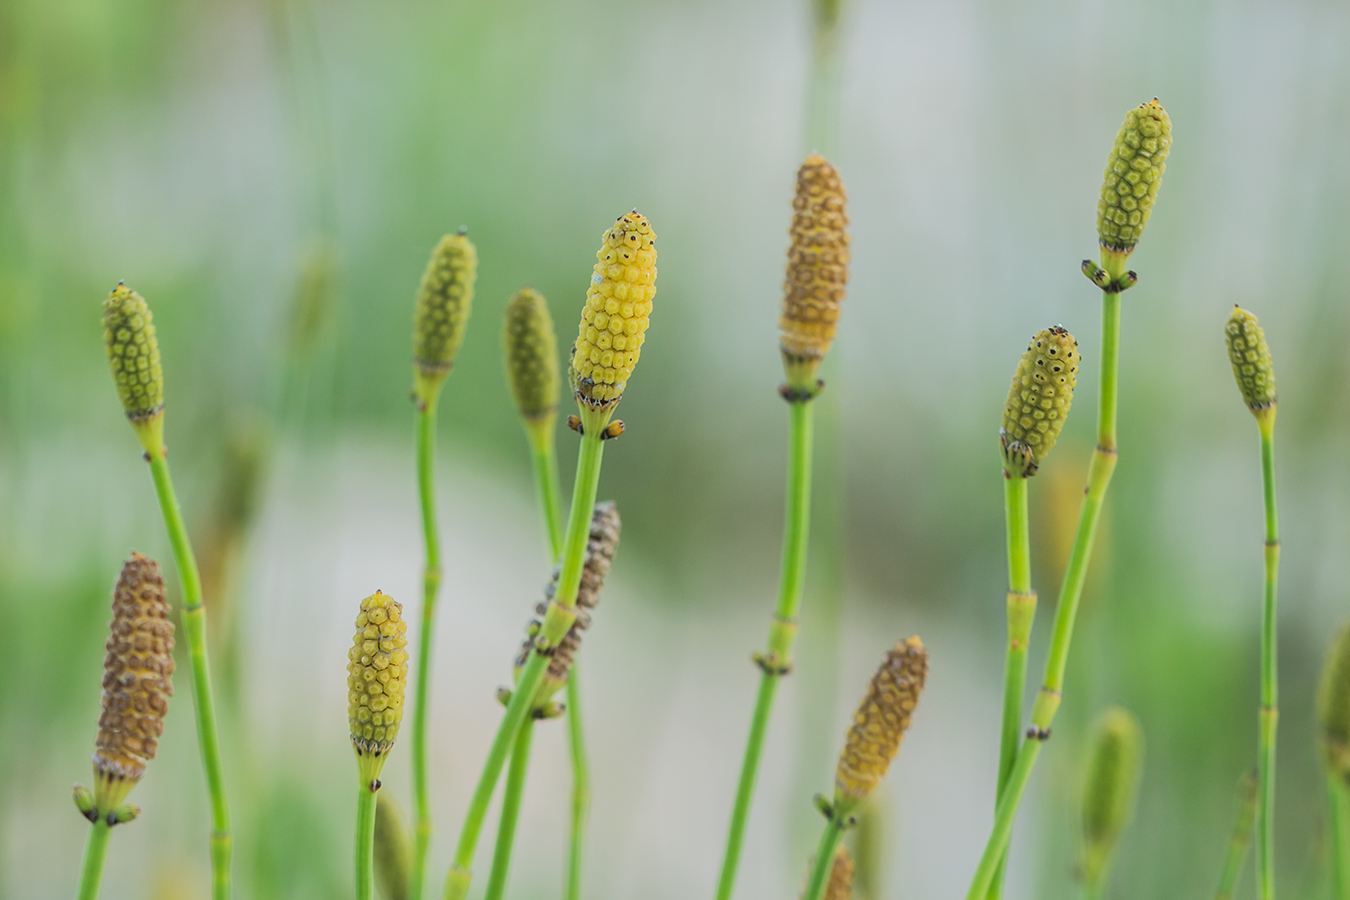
[781, 633]
[365, 842]
[1338, 836]
[823, 861]
[1021, 613]
[561, 613]
[1269, 713]
[1071, 590]
[431, 580]
[194, 626]
[95, 852]
[512, 793]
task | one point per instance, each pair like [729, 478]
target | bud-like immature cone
[1038, 401]
[817, 270]
[614, 320]
[393, 848]
[137, 682]
[601, 546]
[1110, 787]
[133, 357]
[444, 301]
[880, 723]
[1333, 706]
[377, 674]
[1134, 171]
[531, 352]
[1250, 356]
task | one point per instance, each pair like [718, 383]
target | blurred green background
[272, 176]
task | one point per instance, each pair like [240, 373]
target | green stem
[1239, 842]
[1070, 592]
[559, 618]
[777, 661]
[194, 626]
[365, 841]
[824, 859]
[431, 580]
[511, 797]
[545, 459]
[581, 785]
[1021, 614]
[1338, 834]
[1269, 713]
[95, 851]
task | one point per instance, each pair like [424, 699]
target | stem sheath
[194, 626]
[365, 842]
[511, 797]
[777, 661]
[95, 852]
[431, 580]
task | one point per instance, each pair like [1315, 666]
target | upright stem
[365, 840]
[777, 661]
[543, 455]
[511, 796]
[1269, 716]
[824, 859]
[1021, 614]
[95, 851]
[559, 618]
[1338, 834]
[431, 580]
[194, 626]
[1071, 590]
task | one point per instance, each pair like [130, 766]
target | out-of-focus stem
[1243, 820]
[1269, 714]
[1338, 835]
[511, 797]
[95, 851]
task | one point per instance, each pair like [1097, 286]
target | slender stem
[581, 785]
[777, 661]
[95, 851]
[1241, 839]
[559, 618]
[545, 459]
[1338, 834]
[1269, 714]
[431, 579]
[1070, 592]
[194, 625]
[824, 859]
[511, 797]
[1021, 613]
[365, 841]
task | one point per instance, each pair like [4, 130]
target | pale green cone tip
[1250, 356]
[1110, 786]
[444, 301]
[1038, 401]
[530, 348]
[1333, 706]
[133, 358]
[393, 848]
[1134, 171]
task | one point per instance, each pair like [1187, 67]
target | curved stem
[95, 851]
[777, 661]
[1269, 713]
[824, 859]
[194, 626]
[511, 797]
[431, 579]
[365, 841]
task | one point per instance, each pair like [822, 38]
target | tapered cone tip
[531, 352]
[1134, 171]
[1333, 706]
[377, 675]
[1110, 785]
[444, 301]
[1038, 400]
[880, 723]
[1250, 356]
[817, 270]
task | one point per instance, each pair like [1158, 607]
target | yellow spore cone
[614, 321]
[133, 357]
[817, 271]
[1038, 401]
[880, 723]
[377, 675]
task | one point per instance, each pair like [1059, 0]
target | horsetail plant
[817, 271]
[137, 685]
[600, 549]
[377, 677]
[1110, 789]
[440, 316]
[1038, 403]
[133, 357]
[1250, 356]
[873, 740]
[1244, 820]
[609, 340]
[1134, 170]
[1333, 721]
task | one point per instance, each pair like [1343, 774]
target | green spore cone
[531, 351]
[1110, 788]
[1250, 356]
[393, 848]
[1134, 171]
[1333, 706]
[1038, 401]
[444, 301]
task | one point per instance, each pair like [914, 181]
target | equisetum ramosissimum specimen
[377, 679]
[1038, 401]
[1333, 737]
[444, 301]
[137, 684]
[531, 353]
[1134, 171]
[1110, 787]
[133, 357]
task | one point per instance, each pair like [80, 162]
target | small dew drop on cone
[615, 318]
[880, 723]
[1110, 786]
[1250, 356]
[1333, 706]
[137, 682]
[1039, 400]
[817, 270]
[377, 676]
[444, 301]
[531, 351]
[1134, 171]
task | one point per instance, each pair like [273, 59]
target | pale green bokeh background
[213, 153]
